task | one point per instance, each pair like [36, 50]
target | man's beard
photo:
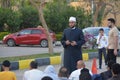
[110, 26]
[72, 26]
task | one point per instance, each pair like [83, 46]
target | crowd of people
[82, 73]
[74, 67]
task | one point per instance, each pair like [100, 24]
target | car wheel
[44, 43]
[11, 42]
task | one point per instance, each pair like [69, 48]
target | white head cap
[72, 19]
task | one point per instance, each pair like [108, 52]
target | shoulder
[115, 29]
[75, 72]
[66, 29]
[11, 73]
[27, 72]
[39, 71]
[79, 29]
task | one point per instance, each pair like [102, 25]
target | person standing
[102, 41]
[6, 74]
[72, 40]
[112, 40]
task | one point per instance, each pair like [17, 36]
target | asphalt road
[6, 51]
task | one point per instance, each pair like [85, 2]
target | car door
[36, 36]
[23, 37]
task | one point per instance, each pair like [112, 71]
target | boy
[102, 42]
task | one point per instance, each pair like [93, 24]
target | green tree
[57, 14]
[29, 17]
[11, 18]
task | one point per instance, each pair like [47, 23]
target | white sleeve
[71, 76]
[97, 39]
[90, 73]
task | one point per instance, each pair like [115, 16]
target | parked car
[90, 34]
[29, 36]
[95, 31]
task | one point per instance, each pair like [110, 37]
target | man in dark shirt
[72, 40]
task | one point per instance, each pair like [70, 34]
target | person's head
[46, 78]
[33, 65]
[72, 22]
[6, 64]
[50, 69]
[80, 64]
[101, 31]
[63, 72]
[115, 69]
[111, 22]
[85, 75]
[109, 64]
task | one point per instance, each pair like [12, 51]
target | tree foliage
[11, 18]
[29, 17]
[58, 13]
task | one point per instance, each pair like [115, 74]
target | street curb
[24, 64]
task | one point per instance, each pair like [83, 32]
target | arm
[106, 42]
[115, 38]
[116, 42]
[63, 40]
[82, 40]
[97, 39]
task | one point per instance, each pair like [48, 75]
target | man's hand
[67, 42]
[115, 52]
[73, 43]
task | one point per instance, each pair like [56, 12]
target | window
[36, 31]
[26, 31]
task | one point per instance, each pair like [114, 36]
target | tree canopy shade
[58, 13]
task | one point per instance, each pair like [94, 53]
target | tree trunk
[98, 7]
[5, 3]
[41, 17]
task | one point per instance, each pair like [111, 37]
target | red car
[29, 36]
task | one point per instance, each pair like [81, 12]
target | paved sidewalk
[19, 73]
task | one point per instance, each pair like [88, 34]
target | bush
[2, 34]
[59, 36]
